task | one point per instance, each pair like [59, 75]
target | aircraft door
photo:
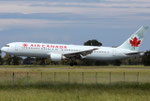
[16, 48]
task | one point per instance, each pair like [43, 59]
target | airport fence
[30, 78]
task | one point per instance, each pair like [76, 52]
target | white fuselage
[45, 50]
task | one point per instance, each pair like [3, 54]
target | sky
[110, 22]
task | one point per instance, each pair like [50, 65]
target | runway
[74, 69]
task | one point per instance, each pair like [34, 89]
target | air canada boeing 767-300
[58, 52]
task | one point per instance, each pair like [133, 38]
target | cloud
[31, 13]
[1, 29]
[64, 21]
[11, 23]
[70, 7]
[127, 0]
[45, 16]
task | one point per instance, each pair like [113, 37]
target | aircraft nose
[3, 49]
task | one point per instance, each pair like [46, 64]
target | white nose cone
[3, 49]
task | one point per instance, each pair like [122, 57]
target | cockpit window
[6, 45]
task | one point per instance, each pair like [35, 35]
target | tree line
[15, 60]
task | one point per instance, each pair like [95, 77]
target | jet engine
[56, 57]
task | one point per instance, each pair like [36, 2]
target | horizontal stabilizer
[135, 53]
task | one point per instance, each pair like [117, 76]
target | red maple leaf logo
[135, 42]
[25, 45]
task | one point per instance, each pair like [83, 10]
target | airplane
[58, 52]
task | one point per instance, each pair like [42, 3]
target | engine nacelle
[56, 57]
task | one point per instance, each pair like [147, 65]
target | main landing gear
[73, 63]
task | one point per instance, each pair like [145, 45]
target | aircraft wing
[80, 53]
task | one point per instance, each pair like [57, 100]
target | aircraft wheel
[71, 64]
[75, 63]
